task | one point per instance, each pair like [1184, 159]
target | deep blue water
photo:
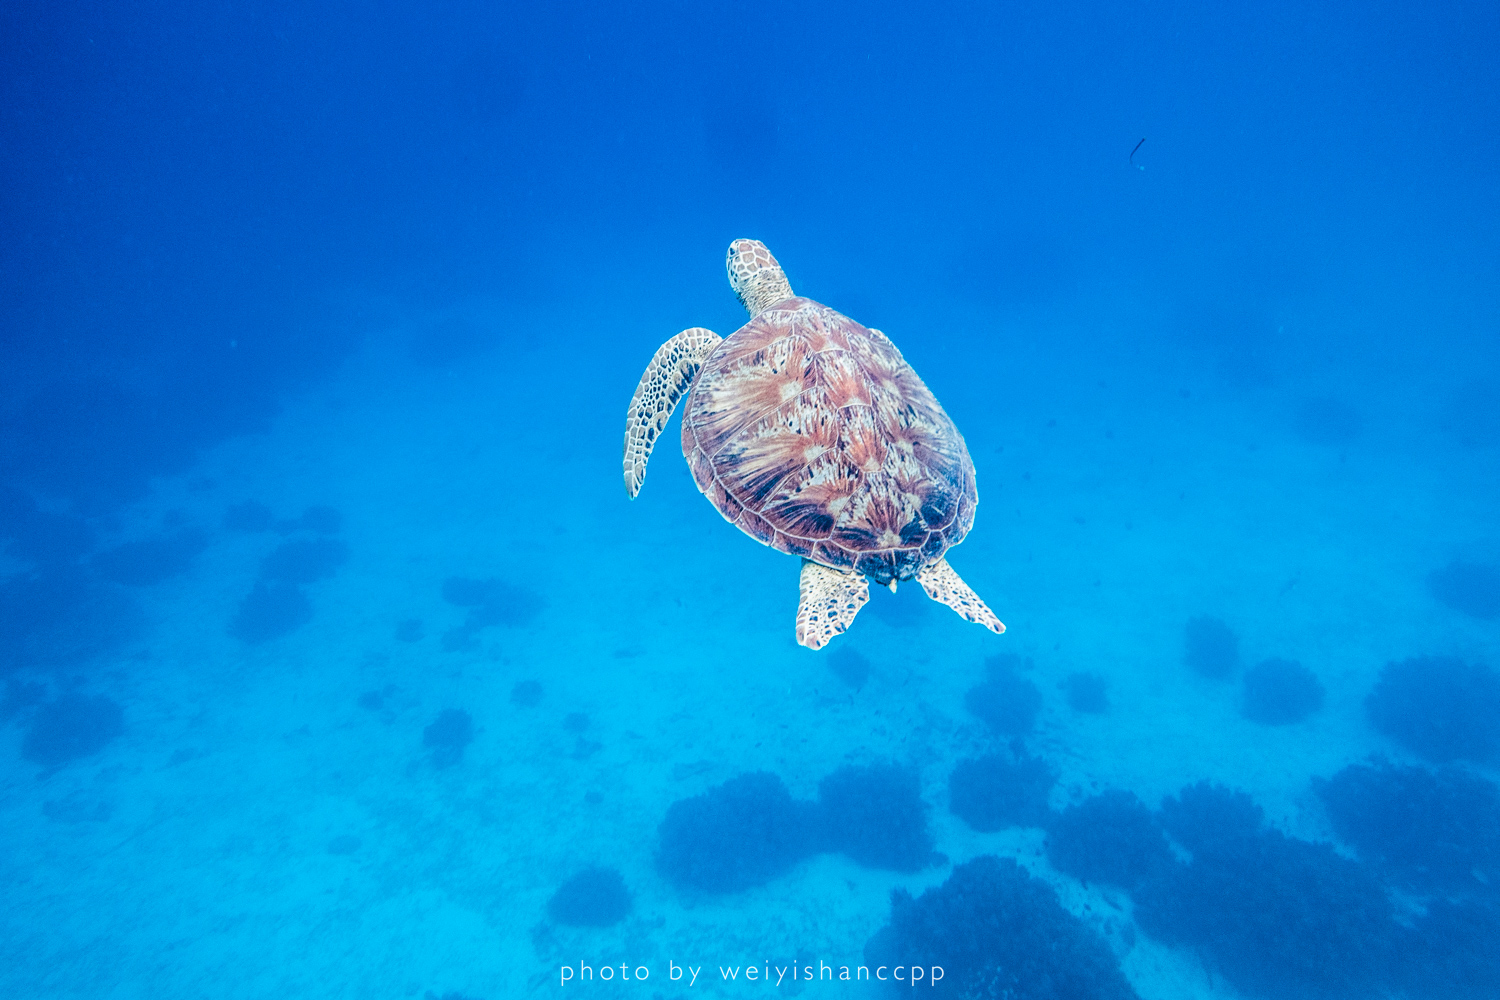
[337, 663]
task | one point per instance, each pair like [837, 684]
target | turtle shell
[814, 436]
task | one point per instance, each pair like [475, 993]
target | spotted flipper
[944, 586]
[668, 378]
[830, 600]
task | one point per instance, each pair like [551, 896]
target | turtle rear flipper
[944, 586]
[667, 379]
[830, 600]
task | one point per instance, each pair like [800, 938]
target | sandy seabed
[1110, 514]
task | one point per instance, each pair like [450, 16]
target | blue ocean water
[336, 662]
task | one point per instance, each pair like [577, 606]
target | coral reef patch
[998, 932]
[1469, 588]
[250, 517]
[322, 520]
[850, 666]
[490, 602]
[43, 537]
[1007, 702]
[1279, 692]
[595, 897]
[150, 560]
[1453, 952]
[448, 735]
[270, 611]
[1275, 916]
[60, 617]
[1206, 817]
[304, 560]
[1439, 707]
[1087, 693]
[741, 834]
[526, 694]
[1211, 648]
[875, 815]
[71, 728]
[1110, 838]
[1429, 830]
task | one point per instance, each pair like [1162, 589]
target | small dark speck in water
[526, 694]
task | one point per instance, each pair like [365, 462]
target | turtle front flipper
[668, 378]
[830, 600]
[944, 586]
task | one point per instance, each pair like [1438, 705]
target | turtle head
[756, 278]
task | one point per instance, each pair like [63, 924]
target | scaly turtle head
[756, 278]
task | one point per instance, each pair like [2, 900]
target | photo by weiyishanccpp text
[583, 973]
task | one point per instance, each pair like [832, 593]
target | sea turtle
[814, 436]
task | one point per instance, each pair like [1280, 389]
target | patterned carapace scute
[816, 437]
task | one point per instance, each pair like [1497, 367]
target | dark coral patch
[322, 520]
[19, 696]
[1434, 830]
[1208, 818]
[741, 834]
[150, 560]
[1279, 692]
[1439, 708]
[448, 735]
[1110, 838]
[1087, 693]
[250, 516]
[850, 666]
[1006, 701]
[465, 592]
[1211, 648]
[305, 561]
[492, 602]
[46, 537]
[998, 932]
[61, 616]
[1453, 952]
[270, 611]
[72, 727]
[1275, 916]
[1470, 588]
[526, 694]
[595, 897]
[876, 816]
[76, 808]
